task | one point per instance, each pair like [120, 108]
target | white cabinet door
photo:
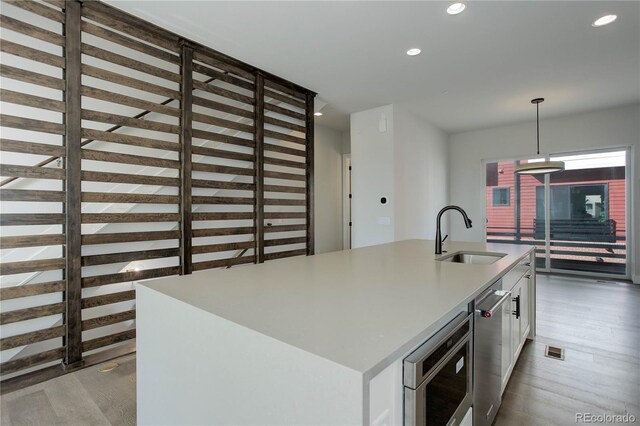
[516, 323]
[525, 289]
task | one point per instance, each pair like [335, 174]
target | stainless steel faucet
[439, 239]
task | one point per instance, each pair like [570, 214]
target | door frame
[346, 202]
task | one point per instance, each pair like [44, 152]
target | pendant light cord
[538, 125]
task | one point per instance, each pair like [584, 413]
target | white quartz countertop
[361, 308]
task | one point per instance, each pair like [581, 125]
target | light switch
[382, 123]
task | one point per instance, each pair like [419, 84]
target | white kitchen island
[299, 340]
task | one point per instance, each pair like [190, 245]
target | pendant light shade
[543, 167]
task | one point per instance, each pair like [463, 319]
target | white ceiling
[477, 69]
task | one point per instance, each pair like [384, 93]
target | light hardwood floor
[598, 325]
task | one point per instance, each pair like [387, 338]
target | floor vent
[554, 352]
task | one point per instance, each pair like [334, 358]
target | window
[501, 196]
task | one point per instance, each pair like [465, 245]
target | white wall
[328, 189]
[372, 172]
[420, 175]
[407, 164]
[615, 127]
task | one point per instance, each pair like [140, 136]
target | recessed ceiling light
[456, 8]
[317, 114]
[607, 19]
[413, 52]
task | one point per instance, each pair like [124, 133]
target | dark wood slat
[285, 241]
[111, 339]
[99, 280]
[296, 94]
[310, 174]
[220, 122]
[285, 228]
[8, 317]
[38, 9]
[108, 299]
[221, 200]
[284, 150]
[40, 240]
[32, 337]
[110, 197]
[211, 264]
[31, 30]
[222, 153]
[218, 137]
[117, 98]
[129, 217]
[121, 120]
[285, 215]
[222, 92]
[31, 195]
[34, 360]
[218, 106]
[284, 111]
[284, 98]
[222, 215]
[123, 22]
[215, 168]
[214, 248]
[129, 140]
[28, 290]
[287, 189]
[284, 137]
[285, 163]
[201, 183]
[284, 124]
[130, 256]
[114, 157]
[284, 176]
[124, 61]
[129, 42]
[60, 4]
[26, 76]
[259, 168]
[31, 101]
[215, 232]
[73, 186]
[128, 237]
[186, 160]
[11, 145]
[32, 54]
[283, 254]
[18, 219]
[11, 268]
[133, 83]
[223, 62]
[283, 202]
[98, 322]
[15, 170]
[31, 124]
[217, 75]
[128, 178]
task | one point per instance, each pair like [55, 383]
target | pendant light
[539, 168]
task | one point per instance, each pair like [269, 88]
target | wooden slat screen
[32, 207]
[186, 160]
[285, 190]
[223, 164]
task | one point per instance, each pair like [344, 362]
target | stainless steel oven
[437, 376]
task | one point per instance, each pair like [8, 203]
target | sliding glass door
[586, 205]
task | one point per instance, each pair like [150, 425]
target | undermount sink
[473, 257]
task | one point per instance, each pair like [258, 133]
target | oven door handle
[488, 313]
